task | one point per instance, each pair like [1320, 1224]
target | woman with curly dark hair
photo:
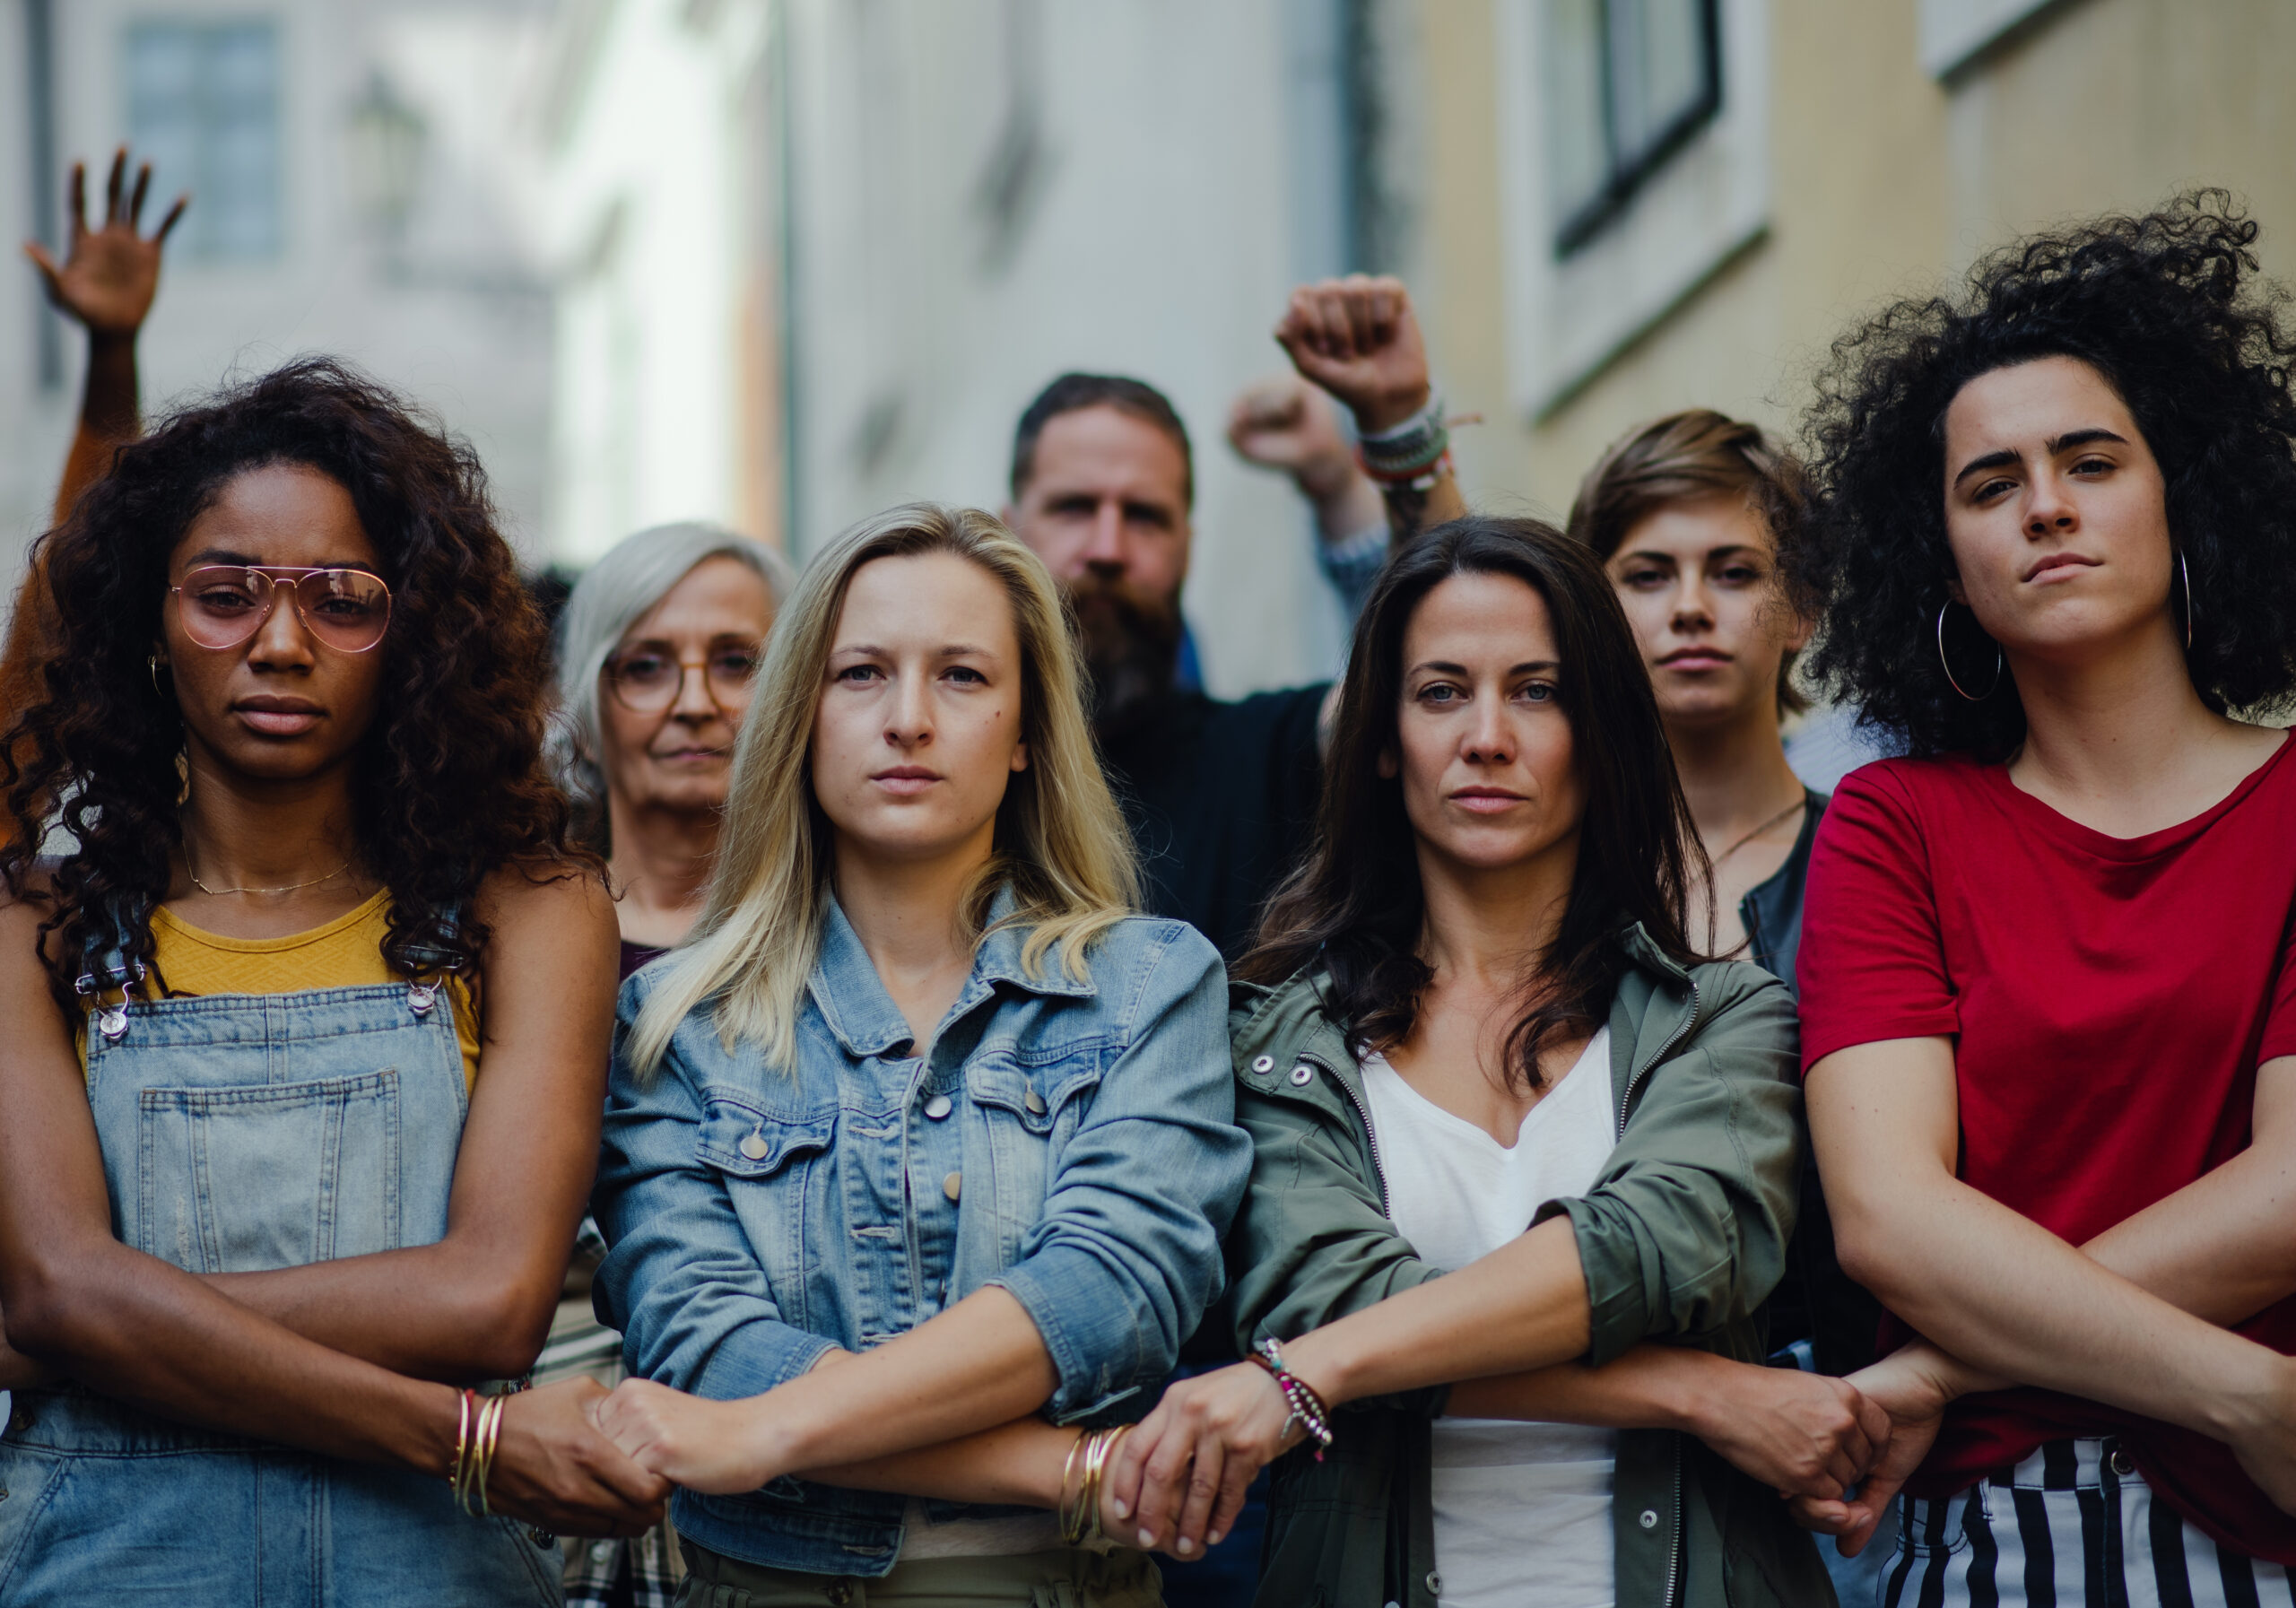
[2049, 1006]
[308, 1027]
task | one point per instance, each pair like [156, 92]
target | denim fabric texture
[1071, 1140]
[242, 1133]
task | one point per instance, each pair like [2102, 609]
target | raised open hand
[110, 273]
[1358, 338]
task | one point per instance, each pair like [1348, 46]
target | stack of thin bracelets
[1308, 1409]
[1413, 454]
[1080, 1522]
[475, 1436]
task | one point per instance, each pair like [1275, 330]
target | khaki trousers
[1065, 1579]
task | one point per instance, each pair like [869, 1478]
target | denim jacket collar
[853, 1001]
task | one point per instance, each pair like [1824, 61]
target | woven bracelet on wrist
[1308, 1409]
[1410, 448]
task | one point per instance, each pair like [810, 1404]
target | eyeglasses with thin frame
[646, 681]
[221, 605]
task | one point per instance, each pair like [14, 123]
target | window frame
[1623, 180]
[1569, 318]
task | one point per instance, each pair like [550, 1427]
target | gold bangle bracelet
[494, 1437]
[462, 1443]
[1072, 1522]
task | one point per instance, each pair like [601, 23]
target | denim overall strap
[243, 1133]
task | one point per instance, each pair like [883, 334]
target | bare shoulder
[564, 905]
[24, 993]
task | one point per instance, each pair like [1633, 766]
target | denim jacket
[1071, 1142]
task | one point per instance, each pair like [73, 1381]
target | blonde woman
[922, 1137]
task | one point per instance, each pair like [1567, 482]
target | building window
[1634, 165]
[203, 104]
[1627, 83]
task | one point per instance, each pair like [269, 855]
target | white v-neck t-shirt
[1522, 1510]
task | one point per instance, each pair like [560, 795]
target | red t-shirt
[2110, 999]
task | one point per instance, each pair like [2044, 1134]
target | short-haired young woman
[2048, 1007]
[921, 1134]
[307, 1035]
[1686, 514]
[1480, 1045]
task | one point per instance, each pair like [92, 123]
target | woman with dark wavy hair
[307, 1026]
[1475, 1042]
[2049, 1006]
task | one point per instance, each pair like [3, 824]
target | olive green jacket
[1683, 1236]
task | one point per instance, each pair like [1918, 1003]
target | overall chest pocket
[247, 1178]
[767, 1162]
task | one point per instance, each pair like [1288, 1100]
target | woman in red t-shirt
[2049, 1012]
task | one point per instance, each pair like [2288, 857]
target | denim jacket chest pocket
[1029, 1106]
[769, 1160]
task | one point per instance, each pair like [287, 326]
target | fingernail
[1215, 1538]
[1147, 1539]
[1122, 1509]
[1186, 1547]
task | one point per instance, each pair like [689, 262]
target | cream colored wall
[1885, 182]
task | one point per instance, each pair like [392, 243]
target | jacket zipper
[1675, 1553]
[1626, 1100]
[1363, 1113]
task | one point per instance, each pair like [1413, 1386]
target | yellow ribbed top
[346, 952]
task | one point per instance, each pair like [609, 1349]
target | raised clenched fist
[1358, 338]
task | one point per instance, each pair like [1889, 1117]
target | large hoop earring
[2185, 570]
[1997, 661]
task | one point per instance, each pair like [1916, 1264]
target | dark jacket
[1683, 1236]
[1771, 913]
[1817, 1302]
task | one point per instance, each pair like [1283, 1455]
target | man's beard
[1132, 646]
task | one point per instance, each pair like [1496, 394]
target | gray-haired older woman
[657, 648]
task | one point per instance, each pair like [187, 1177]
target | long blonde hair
[1060, 844]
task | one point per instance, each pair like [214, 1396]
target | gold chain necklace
[290, 888]
[1797, 805]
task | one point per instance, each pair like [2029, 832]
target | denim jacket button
[1302, 1075]
[1034, 1102]
[1434, 1584]
[953, 1185]
[1264, 1063]
[1649, 1519]
[938, 1107]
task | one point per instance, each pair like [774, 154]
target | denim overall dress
[242, 1133]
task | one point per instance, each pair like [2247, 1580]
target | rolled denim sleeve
[679, 1281]
[1126, 1259]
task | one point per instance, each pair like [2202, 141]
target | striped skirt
[2074, 1525]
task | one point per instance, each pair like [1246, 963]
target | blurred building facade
[874, 228]
[658, 131]
[814, 258]
[360, 186]
[1768, 170]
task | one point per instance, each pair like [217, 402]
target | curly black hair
[2168, 308]
[448, 782]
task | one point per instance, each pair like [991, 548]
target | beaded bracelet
[1308, 1409]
